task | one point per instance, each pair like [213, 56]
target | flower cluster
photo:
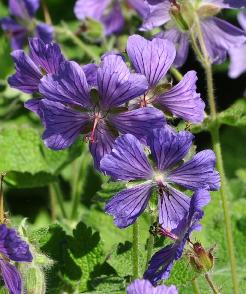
[12, 249]
[180, 17]
[21, 23]
[124, 113]
[106, 100]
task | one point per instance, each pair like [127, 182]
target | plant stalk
[78, 183]
[211, 284]
[195, 286]
[135, 249]
[150, 244]
[66, 31]
[177, 75]
[1, 199]
[59, 198]
[218, 152]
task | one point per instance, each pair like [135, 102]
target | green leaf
[235, 115]
[27, 161]
[108, 284]
[6, 64]
[181, 273]
[85, 250]
[75, 256]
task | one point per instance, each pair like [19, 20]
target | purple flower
[145, 287]
[219, 35]
[128, 162]
[238, 55]
[43, 59]
[12, 248]
[20, 23]
[161, 263]
[75, 106]
[153, 59]
[108, 12]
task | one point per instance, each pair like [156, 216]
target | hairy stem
[76, 40]
[218, 152]
[211, 284]
[150, 243]
[1, 199]
[195, 286]
[135, 261]
[59, 198]
[176, 73]
[78, 182]
[46, 12]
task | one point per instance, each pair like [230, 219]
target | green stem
[176, 73]
[150, 244]
[135, 261]
[46, 12]
[52, 203]
[59, 198]
[211, 284]
[195, 286]
[218, 152]
[78, 183]
[2, 217]
[66, 31]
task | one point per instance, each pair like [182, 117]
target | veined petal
[116, 84]
[157, 15]
[197, 173]
[63, 125]
[127, 161]
[27, 76]
[33, 105]
[12, 246]
[90, 71]
[168, 148]
[11, 277]
[68, 86]
[181, 42]
[220, 36]
[18, 33]
[90, 8]
[145, 287]
[183, 101]
[140, 287]
[127, 205]
[23, 8]
[173, 206]
[161, 264]
[237, 61]
[140, 6]
[45, 32]
[47, 56]
[139, 122]
[104, 141]
[227, 3]
[238, 54]
[242, 19]
[114, 21]
[151, 58]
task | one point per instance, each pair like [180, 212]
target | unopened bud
[178, 18]
[35, 280]
[207, 10]
[201, 259]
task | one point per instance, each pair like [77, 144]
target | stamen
[96, 120]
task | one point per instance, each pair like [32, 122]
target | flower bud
[177, 16]
[35, 280]
[202, 260]
[207, 10]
